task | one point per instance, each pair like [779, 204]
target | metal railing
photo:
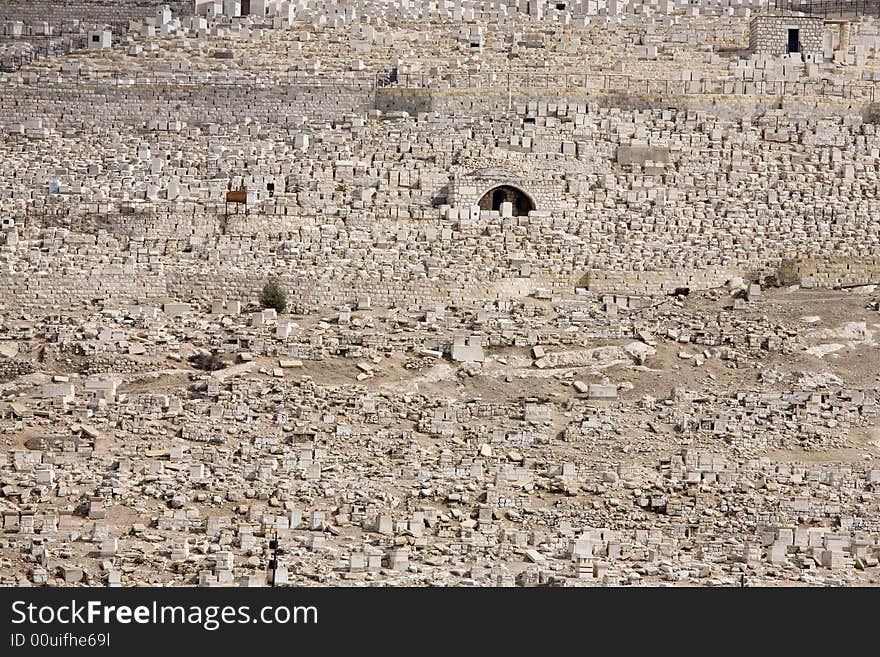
[830, 8]
[488, 81]
[54, 47]
[640, 85]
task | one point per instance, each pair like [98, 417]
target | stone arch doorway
[492, 200]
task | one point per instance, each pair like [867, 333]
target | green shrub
[273, 296]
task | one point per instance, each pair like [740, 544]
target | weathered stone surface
[571, 297]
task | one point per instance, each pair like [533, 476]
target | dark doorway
[794, 40]
[270, 187]
[498, 197]
[493, 199]
[245, 7]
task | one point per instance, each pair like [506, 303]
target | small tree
[273, 296]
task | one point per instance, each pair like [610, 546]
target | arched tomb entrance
[522, 203]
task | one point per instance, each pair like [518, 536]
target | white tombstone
[232, 8]
[163, 15]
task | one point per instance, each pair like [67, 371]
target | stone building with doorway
[784, 34]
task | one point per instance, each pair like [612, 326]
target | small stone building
[781, 34]
[486, 189]
[100, 39]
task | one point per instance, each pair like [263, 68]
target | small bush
[273, 296]
[208, 362]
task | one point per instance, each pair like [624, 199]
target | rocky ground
[725, 437]
[578, 294]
